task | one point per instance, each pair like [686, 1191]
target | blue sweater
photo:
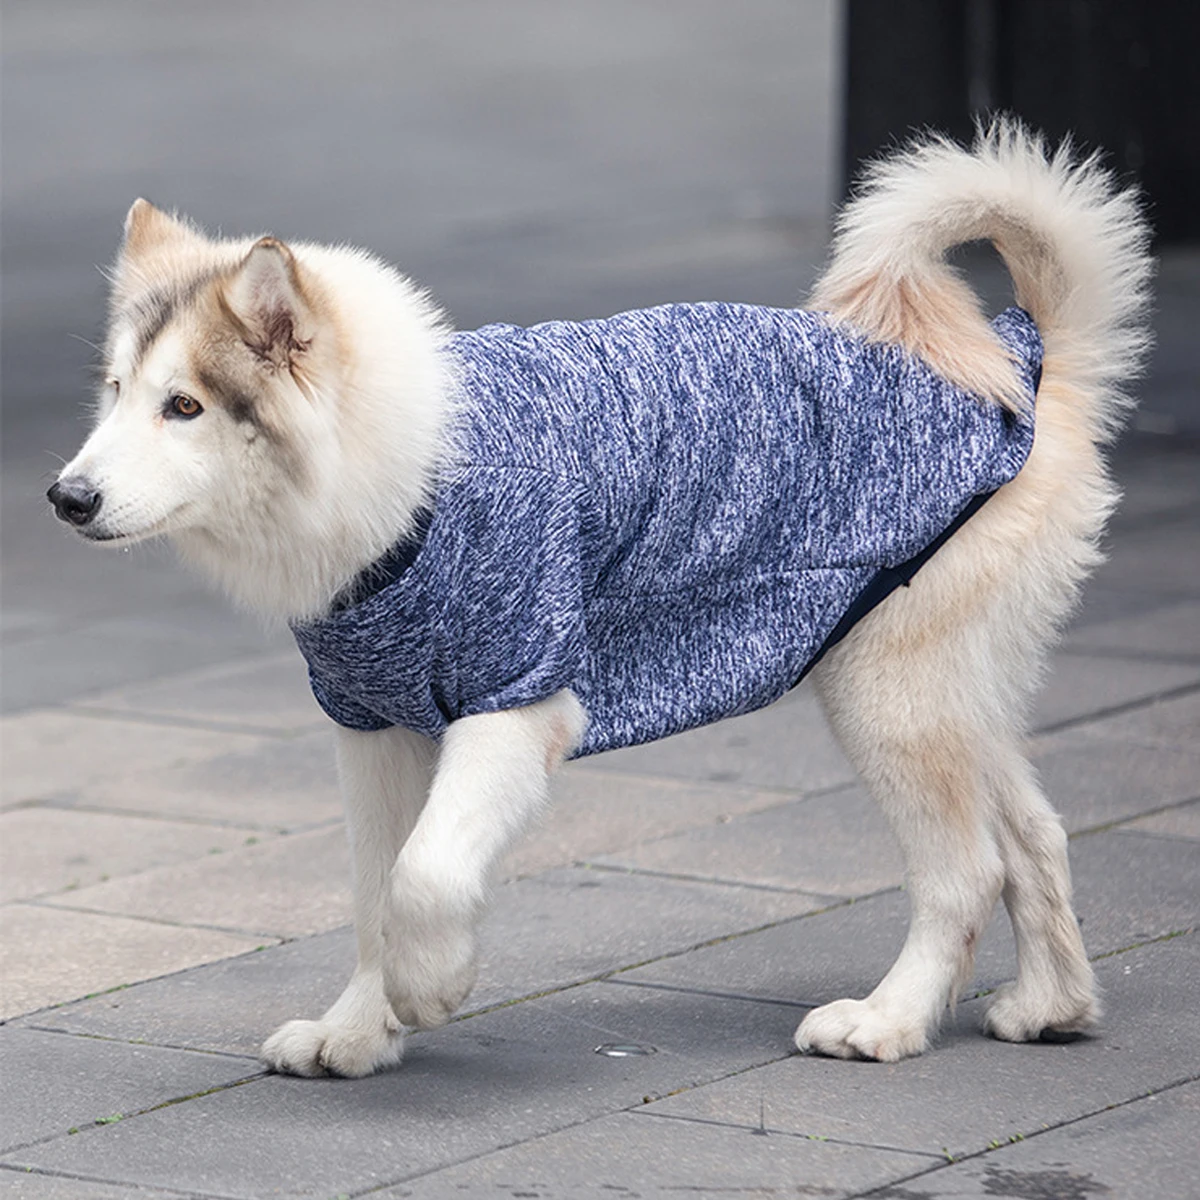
[669, 511]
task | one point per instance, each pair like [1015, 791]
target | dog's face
[213, 378]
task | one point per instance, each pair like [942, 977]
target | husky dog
[301, 424]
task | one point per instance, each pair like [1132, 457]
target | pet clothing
[672, 512]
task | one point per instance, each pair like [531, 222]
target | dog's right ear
[266, 302]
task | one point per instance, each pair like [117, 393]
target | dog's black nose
[74, 500]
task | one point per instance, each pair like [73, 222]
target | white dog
[299, 422]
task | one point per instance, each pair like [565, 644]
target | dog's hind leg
[1054, 992]
[920, 745]
[385, 779]
[492, 777]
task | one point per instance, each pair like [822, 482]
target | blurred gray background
[524, 160]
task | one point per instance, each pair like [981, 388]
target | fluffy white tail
[1075, 245]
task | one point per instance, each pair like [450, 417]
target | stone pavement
[173, 871]
[175, 879]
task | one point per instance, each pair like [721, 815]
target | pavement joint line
[138, 1042]
[1118, 654]
[605, 976]
[1153, 835]
[984, 992]
[784, 798]
[1154, 941]
[278, 938]
[651, 985]
[1116, 824]
[47, 1173]
[730, 937]
[881, 1190]
[61, 804]
[684, 877]
[116, 1118]
[47, 899]
[537, 1137]
[785, 794]
[681, 782]
[609, 976]
[600, 977]
[183, 721]
[1116, 710]
[767, 1130]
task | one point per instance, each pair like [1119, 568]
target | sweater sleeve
[518, 609]
[345, 711]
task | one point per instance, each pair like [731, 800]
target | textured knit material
[667, 511]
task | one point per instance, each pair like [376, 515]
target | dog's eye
[115, 384]
[183, 406]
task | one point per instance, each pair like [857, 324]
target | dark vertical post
[1119, 75]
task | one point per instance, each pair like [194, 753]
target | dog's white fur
[284, 500]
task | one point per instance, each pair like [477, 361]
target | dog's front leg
[491, 778]
[385, 780]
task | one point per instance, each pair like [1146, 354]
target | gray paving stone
[840, 844]
[51, 955]
[784, 746]
[546, 932]
[1080, 685]
[567, 925]
[278, 784]
[1173, 630]
[1174, 723]
[597, 812]
[1102, 603]
[67, 665]
[264, 694]
[1093, 781]
[475, 1086]
[45, 850]
[970, 1091]
[1146, 1148]
[35, 767]
[843, 952]
[30, 1185]
[632, 1155]
[230, 1005]
[1128, 889]
[279, 888]
[1182, 821]
[55, 1082]
[836, 844]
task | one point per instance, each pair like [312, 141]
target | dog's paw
[316, 1048]
[857, 1029]
[430, 972]
[1025, 1016]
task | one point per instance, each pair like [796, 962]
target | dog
[503, 548]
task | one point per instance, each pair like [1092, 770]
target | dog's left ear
[148, 229]
[151, 238]
[266, 301]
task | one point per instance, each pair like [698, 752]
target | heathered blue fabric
[667, 511]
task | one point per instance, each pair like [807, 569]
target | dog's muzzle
[74, 500]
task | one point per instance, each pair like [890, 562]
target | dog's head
[217, 357]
